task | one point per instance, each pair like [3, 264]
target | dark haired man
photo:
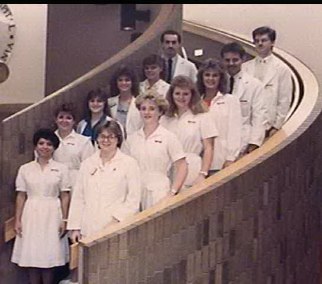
[275, 76]
[174, 63]
[249, 91]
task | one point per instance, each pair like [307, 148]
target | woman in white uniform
[124, 88]
[225, 110]
[73, 147]
[157, 150]
[191, 122]
[108, 186]
[153, 70]
[42, 202]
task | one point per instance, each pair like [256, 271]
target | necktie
[169, 75]
[232, 80]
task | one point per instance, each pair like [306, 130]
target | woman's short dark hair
[126, 71]
[214, 65]
[67, 108]
[153, 59]
[47, 134]
[102, 95]
[113, 127]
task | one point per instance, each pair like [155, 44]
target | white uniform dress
[155, 156]
[72, 150]
[40, 244]
[226, 113]
[191, 129]
[161, 87]
[103, 192]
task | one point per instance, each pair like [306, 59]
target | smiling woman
[42, 201]
[157, 150]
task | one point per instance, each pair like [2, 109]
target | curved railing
[16, 131]
[256, 221]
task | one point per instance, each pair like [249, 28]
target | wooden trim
[73, 256]
[9, 229]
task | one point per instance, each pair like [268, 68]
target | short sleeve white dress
[155, 155]
[40, 245]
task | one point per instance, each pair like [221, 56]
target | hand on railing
[75, 236]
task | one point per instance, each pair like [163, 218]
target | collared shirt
[161, 87]
[46, 182]
[226, 114]
[155, 153]
[73, 149]
[174, 64]
[191, 129]
[237, 77]
[85, 127]
[261, 66]
[133, 117]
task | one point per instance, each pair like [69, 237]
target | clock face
[7, 33]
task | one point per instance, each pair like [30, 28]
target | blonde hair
[152, 95]
[195, 104]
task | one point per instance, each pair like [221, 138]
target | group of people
[143, 142]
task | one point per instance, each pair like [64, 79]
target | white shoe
[65, 281]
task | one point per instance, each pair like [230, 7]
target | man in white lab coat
[274, 74]
[250, 92]
[174, 63]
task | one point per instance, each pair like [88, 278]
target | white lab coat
[278, 89]
[155, 156]
[185, 67]
[226, 113]
[250, 93]
[161, 87]
[72, 150]
[133, 119]
[103, 192]
[191, 129]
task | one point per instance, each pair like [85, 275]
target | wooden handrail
[9, 229]
[280, 139]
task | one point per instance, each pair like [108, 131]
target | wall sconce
[129, 16]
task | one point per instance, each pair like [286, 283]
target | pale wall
[299, 26]
[27, 62]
